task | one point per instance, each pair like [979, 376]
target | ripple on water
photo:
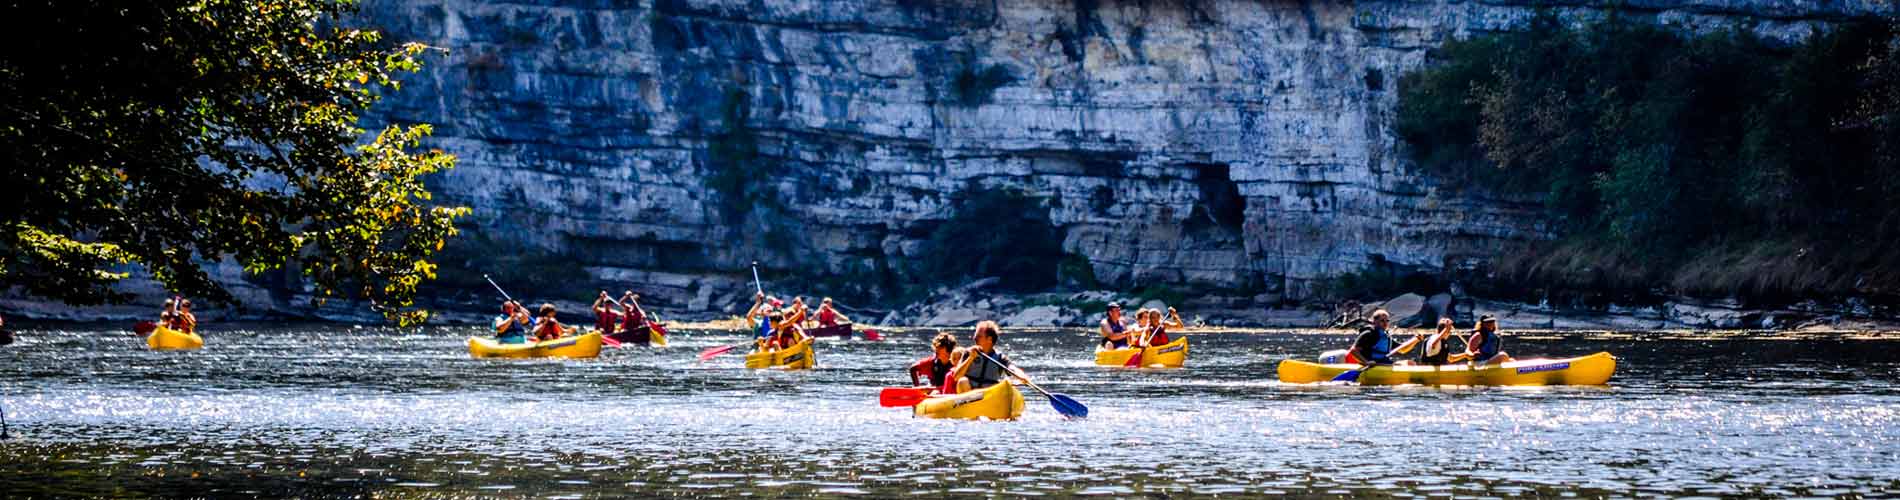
[344, 406]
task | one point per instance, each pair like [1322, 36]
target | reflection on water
[327, 410]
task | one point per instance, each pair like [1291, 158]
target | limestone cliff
[1244, 147]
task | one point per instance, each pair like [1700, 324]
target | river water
[324, 410]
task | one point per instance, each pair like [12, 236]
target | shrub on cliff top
[1676, 149]
[996, 232]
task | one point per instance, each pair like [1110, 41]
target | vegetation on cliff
[1715, 164]
[168, 134]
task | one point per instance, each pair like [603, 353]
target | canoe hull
[998, 402]
[840, 330]
[168, 339]
[798, 357]
[1594, 369]
[577, 347]
[1169, 355]
[656, 336]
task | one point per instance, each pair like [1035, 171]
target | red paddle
[716, 351]
[872, 335]
[892, 397]
[1135, 361]
[144, 328]
[604, 339]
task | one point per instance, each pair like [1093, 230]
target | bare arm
[1407, 346]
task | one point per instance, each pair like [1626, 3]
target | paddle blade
[1348, 376]
[1134, 361]
[1068, 406]
[872, 335]
[716, 351]
[659, 334]
[892, 397]
[609, 341]
[144, 328]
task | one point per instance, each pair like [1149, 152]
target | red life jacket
[604, 320]
[827, 317]
[549, 329]
[632, 319]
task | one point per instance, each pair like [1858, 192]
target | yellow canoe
[997, 402]
[579, 346]
[166, 338]
[797, 357]
[1594, 369]
[1169, 355]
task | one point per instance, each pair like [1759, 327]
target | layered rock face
[1245, 148]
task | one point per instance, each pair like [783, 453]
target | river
[326, 410]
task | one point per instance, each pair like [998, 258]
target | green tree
[166, 134]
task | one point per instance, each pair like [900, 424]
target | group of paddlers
[1376, 346]
[622, 317]
[782, 326]
[951, 370]
[176, 316]
[1150, 327]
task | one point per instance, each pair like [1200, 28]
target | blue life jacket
[1381, 349]
[515, 334]
[1489, 345]
[765, 326]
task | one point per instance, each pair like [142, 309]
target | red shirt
[827, 317]
[632, 319]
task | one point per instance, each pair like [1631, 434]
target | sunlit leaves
[210, 130]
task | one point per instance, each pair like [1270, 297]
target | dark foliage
[1678, 157]
[166, 134]
[999, 233]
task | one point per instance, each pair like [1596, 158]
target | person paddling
[513, 325]
[829, 317]
[795, 314]
[936, 368]
[1114, 328]
[604, 314]
[1435, 351]
[633, 320]
[1155, 327]
[982, 366]
[1374, 345]
[182, 319]
[547, 328]
[165, 313]
[760, 314]
[1174, 319]
[1485, 346]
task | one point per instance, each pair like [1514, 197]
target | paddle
[144, 328]
[716, 351]
[892, 397]
[872, 335]
[1135, 361]
[1063, 404]
[504, 293]
[1353, 374]
[504, 296]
